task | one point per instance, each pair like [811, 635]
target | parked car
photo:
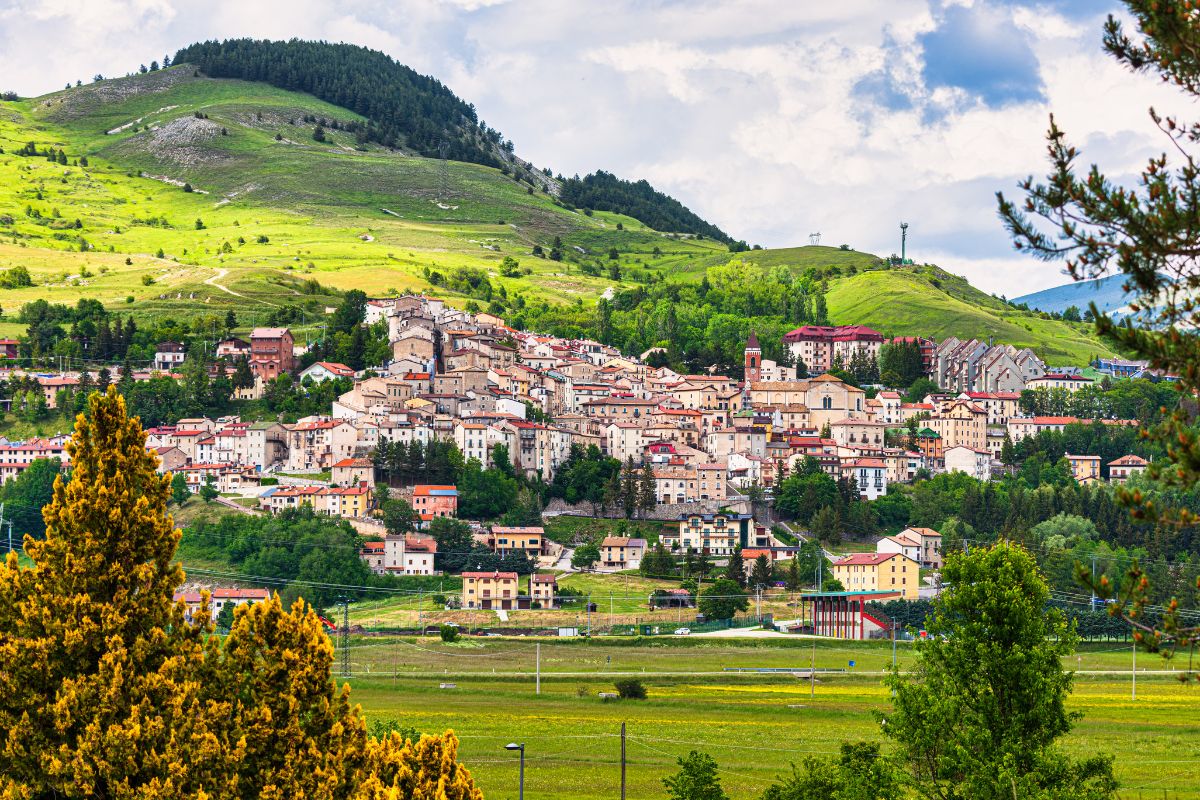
[683, 631]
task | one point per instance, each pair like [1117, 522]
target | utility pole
[893, 652]
[345, 636]
[589, 613]
[622, 761]
[1133, 671]
[538, 667]
[1092, 607]
[812, 670]
[893, 643]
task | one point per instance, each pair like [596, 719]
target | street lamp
[521, 785]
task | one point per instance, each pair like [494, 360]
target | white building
[870, 474]
[976, 463]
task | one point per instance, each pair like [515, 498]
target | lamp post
[521, 784]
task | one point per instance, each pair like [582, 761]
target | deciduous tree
[980, 713]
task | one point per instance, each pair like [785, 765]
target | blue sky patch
[984, 54]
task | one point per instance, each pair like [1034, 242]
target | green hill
[929, 302]
[339, 212]
[279, 216]
[925, 300]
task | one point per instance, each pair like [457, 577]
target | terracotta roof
[435, 490]
[868, 559]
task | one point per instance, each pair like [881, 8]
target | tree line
[604, 191]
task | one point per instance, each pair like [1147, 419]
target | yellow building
[1085, 469]
[489, 590]
[875, 572]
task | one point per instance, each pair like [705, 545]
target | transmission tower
[444, 170]
[814, 238]
[344, 636]
[903, 240]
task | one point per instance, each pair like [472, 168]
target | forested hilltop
[604, 191]
[403, 107]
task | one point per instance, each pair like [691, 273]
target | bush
[449, 633]
[631, 689]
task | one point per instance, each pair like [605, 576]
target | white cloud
[748, 111]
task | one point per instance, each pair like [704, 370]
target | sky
[773, 119]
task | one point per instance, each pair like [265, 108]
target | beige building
[542, 588]
[621, 552]
[960, 424]
[1085, 469]
[505, 540]
[879, 572]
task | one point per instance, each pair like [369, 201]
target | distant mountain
[1107, 293]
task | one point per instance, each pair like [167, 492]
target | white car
[683, 631]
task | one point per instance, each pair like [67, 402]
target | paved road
[564, 560]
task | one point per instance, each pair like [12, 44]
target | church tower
[753, 359]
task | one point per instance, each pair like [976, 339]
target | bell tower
[753, 359]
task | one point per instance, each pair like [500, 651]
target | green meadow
[754, 725]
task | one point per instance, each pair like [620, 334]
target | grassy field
[753, 725]
[566, 528]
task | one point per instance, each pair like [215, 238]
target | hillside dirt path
[221, 273]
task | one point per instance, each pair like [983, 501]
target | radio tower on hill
[903, 240]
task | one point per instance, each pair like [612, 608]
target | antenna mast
[903, 240]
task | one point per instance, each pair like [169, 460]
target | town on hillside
[706, 456]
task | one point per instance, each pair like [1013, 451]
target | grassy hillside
[343, 214]
[278, 218]
[928, 301]
[903, 302]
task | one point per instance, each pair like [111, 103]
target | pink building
[435, 501]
